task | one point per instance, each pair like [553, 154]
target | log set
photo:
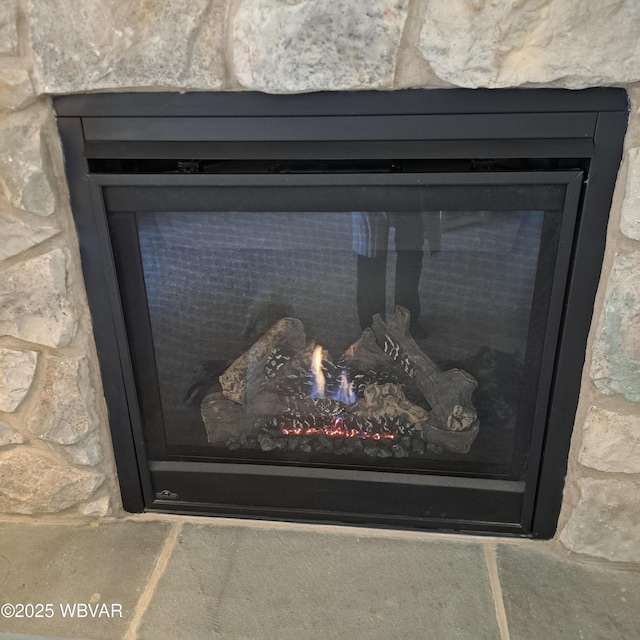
[399, 403]
[246, 375]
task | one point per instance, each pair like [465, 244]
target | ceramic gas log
[383, 397]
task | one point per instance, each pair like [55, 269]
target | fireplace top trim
[378, 128]
[415, 124]
[404, 102]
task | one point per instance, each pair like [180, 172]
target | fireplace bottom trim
[340, 496]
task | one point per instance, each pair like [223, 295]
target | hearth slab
[263, 581]
[548, 596]
[278, 583]
[66, 564]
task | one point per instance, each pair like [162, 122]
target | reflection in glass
[291, 294]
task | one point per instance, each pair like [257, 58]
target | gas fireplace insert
[364, 308]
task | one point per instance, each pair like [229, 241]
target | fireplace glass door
[374, 322]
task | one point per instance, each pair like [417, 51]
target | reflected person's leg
[370, 238]
[409, 240]
[371, 290]
[408, 270]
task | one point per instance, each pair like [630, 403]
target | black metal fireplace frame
[582, 130]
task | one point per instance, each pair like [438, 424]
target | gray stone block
[604, 523]
[257, 583]
[34, 301]
[615, 367]
[630, 217]
[546, 596]
[109, 44]
[86, 451]
[507, 44]
[110, 563]
[25, 163]
[312, 45]
[611, 442]
[8, 27]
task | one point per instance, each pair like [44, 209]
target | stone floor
[190, 578]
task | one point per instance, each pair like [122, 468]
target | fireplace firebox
[365, 308]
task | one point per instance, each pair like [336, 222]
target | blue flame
[344, 393]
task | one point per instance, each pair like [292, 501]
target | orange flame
[318, 375]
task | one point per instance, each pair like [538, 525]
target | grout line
[496, 589]
[147, 594]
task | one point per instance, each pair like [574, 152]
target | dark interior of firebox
[218, 284]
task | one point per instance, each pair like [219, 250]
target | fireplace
[366, 308]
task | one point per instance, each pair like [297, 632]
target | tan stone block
[34, 301]
[99, 507]
[611, 442]
[606, 521]
[16, 90]
[66, 412]
[17, 370]
[32, 482]
[17, 235]
[312, 45]
[9, 436]
[501, 43]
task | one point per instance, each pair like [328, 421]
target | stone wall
[55, 452]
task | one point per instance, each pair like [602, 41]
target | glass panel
[291, 294]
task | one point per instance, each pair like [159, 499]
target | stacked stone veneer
[55, 453]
